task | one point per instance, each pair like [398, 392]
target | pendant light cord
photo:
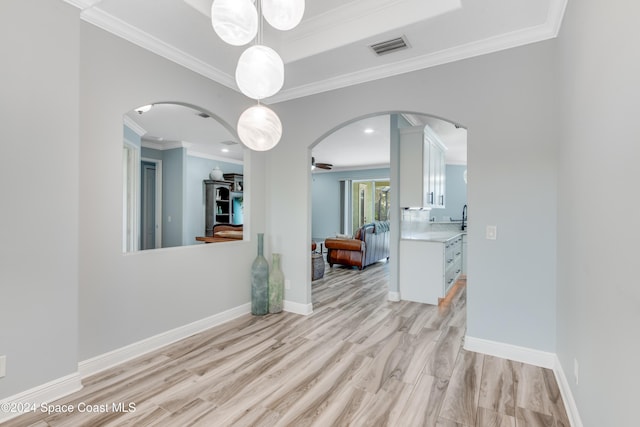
[258, 40]
[260, 23]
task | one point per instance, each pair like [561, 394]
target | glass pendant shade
[259, 128]
[260, 72]
[283, 14]
[235, 21]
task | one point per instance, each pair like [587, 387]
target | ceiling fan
[319, 165]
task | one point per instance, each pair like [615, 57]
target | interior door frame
[158, 199]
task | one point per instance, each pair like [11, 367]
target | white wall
[39, 188]
[126, 298]
[503, 99]
[598, 292]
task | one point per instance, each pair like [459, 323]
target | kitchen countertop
[434, 236]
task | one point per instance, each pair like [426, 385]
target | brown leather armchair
[370, 244]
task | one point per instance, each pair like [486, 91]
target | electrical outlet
[287, 284]
[576, 370]
[492, 232]
[3, 366]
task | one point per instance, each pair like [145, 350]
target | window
[369, 202]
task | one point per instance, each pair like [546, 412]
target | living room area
[353, 191]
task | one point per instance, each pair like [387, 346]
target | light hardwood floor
[358, 360]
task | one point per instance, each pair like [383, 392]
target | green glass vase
[260, 282]
[276, 285]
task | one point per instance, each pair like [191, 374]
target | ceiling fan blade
[327, 166]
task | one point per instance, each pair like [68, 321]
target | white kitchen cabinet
[428, 268]
[436, 169]
[422, 168]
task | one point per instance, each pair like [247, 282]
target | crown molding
[168, 145]
[151, 43]
[139, 130]
[214, 157]
[549, 29]
[534, 34]
[83, 4]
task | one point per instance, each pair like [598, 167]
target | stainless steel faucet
[464, 218]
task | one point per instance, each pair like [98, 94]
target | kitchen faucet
[464, 218]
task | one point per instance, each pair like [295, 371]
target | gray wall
[173, 192]
[518, 117]
[502, 99]
[39, 188]
[126, 298]
[598, 293]
[456, 194]
[173, 201]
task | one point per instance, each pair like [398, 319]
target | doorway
[151, 204]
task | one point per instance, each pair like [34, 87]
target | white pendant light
[260, 72]
[235, 21]
[259, 128]
[283, 14]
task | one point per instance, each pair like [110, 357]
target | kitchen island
[430, 263]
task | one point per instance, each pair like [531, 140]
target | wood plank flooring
[358, 360]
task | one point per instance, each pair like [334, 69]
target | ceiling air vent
[389, 46]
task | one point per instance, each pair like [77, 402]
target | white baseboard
[393, 296]
[297, 308]
[532, 357]
[512, 352]
[45, 393]
[131, 351]
[567, 395]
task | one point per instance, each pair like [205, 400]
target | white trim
[549, 29]
[512, 352]
[393, 296]
[208, 156]
[131, 124]
[567, 395]
[131, 351]
[83, 4]
[165, 145]
[545, 31]
[44, 393]
[120, 28]
[297, 308]
[532, 357]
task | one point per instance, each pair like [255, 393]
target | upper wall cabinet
[422, 168]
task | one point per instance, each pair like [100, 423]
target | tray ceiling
[330, 48]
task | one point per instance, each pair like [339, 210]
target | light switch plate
[3, 366]
[492, 232]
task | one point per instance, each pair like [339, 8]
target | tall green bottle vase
[276, 285]
[260, 281]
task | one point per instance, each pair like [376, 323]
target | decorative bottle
[276, 285]
[260, 282]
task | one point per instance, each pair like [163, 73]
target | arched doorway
[362, 176]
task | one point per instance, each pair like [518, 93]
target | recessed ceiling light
[143, 109]
[225, 150]
[368, 130]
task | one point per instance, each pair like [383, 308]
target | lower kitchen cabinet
[428, 268]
